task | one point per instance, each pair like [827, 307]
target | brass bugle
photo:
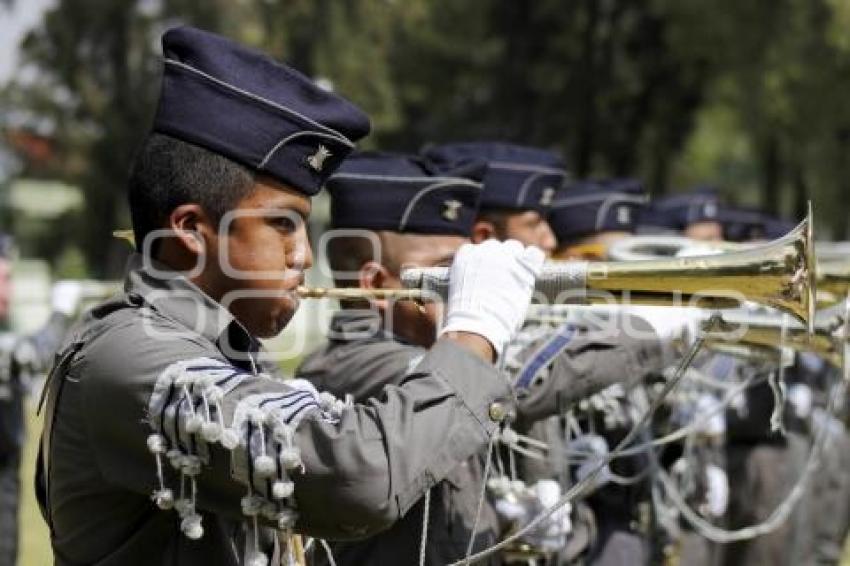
[126, 235]
[779, 274]
[355, 294]
[834, 278]
[829, 252]
[762, 331]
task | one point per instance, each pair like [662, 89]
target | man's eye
[285, 224]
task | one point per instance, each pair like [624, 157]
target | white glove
[551, 534]
[519, 504]
[716, 424]
[717, 490]
[801, 399]
[490, 289]
[66, 296]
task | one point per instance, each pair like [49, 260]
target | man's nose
[547, 238]
[303, 256]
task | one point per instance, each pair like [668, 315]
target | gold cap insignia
[547, 196]
[317, 160]
[452, 209]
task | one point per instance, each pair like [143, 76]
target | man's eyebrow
[283, 209]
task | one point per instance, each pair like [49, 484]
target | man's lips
[291, 281]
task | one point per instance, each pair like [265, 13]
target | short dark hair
[498, 217]
[168, 172]
[347, 254]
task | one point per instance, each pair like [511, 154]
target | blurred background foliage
[749, 96]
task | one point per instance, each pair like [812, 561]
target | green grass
[35, 539]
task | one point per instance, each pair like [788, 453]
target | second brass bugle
[779, 274]
[764, 331]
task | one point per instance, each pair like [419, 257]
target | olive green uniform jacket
[366, 362]
[150, 375]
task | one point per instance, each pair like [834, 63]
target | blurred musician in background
[22, 358]
[693, 214]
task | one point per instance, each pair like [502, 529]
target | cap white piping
[291, 137]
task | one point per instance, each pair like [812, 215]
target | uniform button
[497, 412]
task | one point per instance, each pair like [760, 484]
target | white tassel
[192, 527]
[163, 497]
[264, 466]
[229, 438]
[282, 489]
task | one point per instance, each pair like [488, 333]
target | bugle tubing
[779, 274]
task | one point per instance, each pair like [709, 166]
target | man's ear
[482, 230]
[191, 228]
[373, 275]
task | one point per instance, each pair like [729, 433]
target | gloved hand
[551, 534]
[66, 297]
[518, 504]
[490, 289]
[801, 399]
[717, 490]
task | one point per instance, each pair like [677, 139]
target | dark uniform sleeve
[586, 361]
[243, 445]
[360, 368]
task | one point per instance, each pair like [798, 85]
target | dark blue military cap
[775, 227]
[242, 104]
[741, 224]
[518, 177]
[408, 194]
[701, 204]
[593, 206]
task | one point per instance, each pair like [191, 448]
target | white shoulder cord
[777, 387]
[327, 548]
[579, 487]
[328, 552]
[481, 495]
[673, 436]
[782, 511]
[426, 511]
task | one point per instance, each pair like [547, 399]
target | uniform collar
[174, 296]
[350, 325]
